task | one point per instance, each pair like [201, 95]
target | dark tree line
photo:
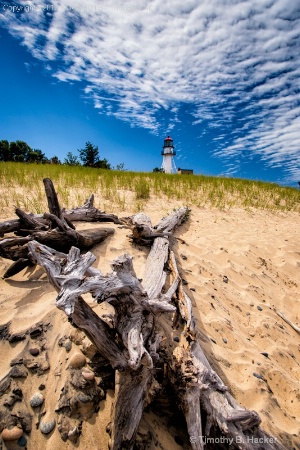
[20, 151]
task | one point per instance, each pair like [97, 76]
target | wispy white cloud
[235, 63]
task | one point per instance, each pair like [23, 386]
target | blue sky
[221, 77]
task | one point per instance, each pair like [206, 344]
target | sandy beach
[240, 268]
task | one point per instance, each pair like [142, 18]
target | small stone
[11, 435]
[176, 339]
[265, 354]
[17, 337]
[36, 331]
[36, 400]
[47, 427]
[16, 361]
[42, 387]
[225, 279]
[259, 308]
[257, 375]
[22, 441]
[68, 345]
[77, 361]
[252, 334]
[193, 289]
[183, 256]
[247, 313]
[74, 434]
[224, 340]
[18, 372]
[88, 375]
[212, 340]
[184, 282]
[251, 303]
[83, 397]
[34, 351]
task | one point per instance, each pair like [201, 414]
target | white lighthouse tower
[168, 153]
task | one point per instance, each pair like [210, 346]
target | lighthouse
[168, 154]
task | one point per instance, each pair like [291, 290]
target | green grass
[21, 185]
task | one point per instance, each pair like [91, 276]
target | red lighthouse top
[168, 147]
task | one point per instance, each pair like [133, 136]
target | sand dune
[239, 266]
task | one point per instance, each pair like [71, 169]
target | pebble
[257, 375]
[34, 351]
[11, 435]
[68, 345]
[36, 400]
[77, 361]
[176, 339]
[265, 354]
[83, 397]
[193, 289]
[225, 279]
[47, 427]
[259, 308]
[183, 256]
[22, 441]
[88, 375]
[224, 340]
[42, 387]
[18, 372]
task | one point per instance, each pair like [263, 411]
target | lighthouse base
[168, 164]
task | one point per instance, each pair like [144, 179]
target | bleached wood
[130, 396]
[170, 223]
[88, 213]
[183, 301]
[154, 276]
[291, 324]
[82, 314]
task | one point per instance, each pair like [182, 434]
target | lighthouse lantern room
[168, 153]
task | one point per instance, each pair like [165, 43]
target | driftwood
[88, 213]
[84, 213]
[143, 314]
[53, 229]
[291, 324]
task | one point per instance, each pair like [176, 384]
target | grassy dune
[21, 185]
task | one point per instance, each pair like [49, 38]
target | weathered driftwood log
[291, 324]
[144, 233]
[17, 248]
[84, 213]
[14, 225]
[62, 237]
[88, 213]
